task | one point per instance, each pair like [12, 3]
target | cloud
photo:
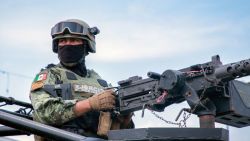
[126, 41]
[25, 36]
[131, 39]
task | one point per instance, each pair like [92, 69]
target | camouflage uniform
[56, 111]
[56, 89]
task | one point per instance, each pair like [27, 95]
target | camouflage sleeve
[48, 109]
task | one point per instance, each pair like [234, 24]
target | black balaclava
[72, 57]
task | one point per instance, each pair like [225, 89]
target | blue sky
[136, 36]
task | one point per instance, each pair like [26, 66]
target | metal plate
[169, 134]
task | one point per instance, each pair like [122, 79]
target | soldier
[70, 96]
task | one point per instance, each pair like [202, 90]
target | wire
[15, 74]
[8, 74]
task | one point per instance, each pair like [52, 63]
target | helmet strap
[86, 49]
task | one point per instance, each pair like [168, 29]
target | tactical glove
[102, 101]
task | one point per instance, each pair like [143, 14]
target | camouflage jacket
[55, 110]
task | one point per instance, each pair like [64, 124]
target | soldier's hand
[103, 101]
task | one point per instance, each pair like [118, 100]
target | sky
[136, 36]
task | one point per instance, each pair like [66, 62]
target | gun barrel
[233, 70]
[154, 75]
[10, 100]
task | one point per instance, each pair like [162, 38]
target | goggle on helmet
[74, 29]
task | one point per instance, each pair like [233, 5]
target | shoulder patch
[41, 76]
[36, 85]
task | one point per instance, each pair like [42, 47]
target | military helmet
[74, 28]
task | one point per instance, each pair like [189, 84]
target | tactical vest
[64, 83]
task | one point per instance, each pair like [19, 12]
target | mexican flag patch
[40, 77]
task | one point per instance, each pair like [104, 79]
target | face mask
[70, 53]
